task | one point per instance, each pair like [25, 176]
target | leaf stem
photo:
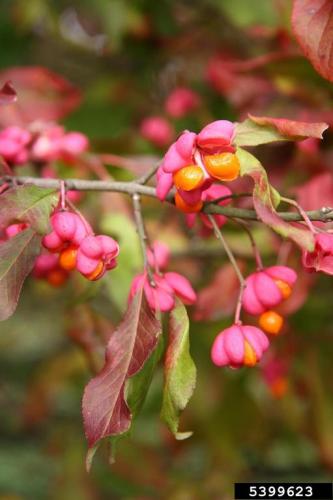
[302, 212]
[142, 235]
[257, 256]
[241, 279]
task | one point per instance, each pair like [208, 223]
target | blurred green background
[126, 56]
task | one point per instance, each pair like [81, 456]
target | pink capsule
[157, 130]
[217, 137]
[239, 345]
[268, 288]
[181, 101]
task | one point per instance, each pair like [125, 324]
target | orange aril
[271, 322]
[67, 258]
[223, 166]
[279, 387]
[97, 271]
[189, 178]
[250, 358]
[284, 288]
[57, 277]
[185, 207]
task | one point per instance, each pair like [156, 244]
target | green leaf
[137, 386]
[179, 371]
[29, 204]
[121, 227]
[135, 394]
[17, 257]
[263, 130]
[266, 199]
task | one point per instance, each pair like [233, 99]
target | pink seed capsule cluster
[167, 286]
[181, 101]
[194, 161]
[239, 345]
[268, 288]
[78, 248]
[158, 129]
[265, 290]
[321, 259]
[43, 144]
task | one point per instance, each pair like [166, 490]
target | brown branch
[324, 214]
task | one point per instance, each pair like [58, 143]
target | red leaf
[29, 204]
[7, 94]
[312, 22]
[240, 89]
[211, 303]
[44, 95]
[105, 411]
[265, 200]
[290, 129]
[17, 257]
[316, 192]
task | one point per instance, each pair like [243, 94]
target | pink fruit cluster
[244, 345]
[321, 259]
[194, 161]
[14, 145]
[40, 143]
[167, 286]
[157, 129]
[181, 101]
[275, 375]
[78, 248]
[265, 290]
[214, 192]
[239, 346]
[47, 267]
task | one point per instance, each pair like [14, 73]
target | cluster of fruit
[195, 161]
[40, 143]
[161, 288]
[73, 241]
[244, 345]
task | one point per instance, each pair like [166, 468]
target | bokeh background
[273, 423]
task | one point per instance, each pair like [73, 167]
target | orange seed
[223, 166]
[271, 322]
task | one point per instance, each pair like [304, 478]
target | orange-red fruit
[189, 178]
[279, 387]
[67, 258]
[57, 277]
[223, 166]
[250, 358]
[97, 272]
[185, 207]
[284, 288]
[271, 322]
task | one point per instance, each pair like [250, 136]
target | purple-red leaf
[17, 257]
[312, 22]
[258, 130]
[7, 94]
[29, 204]
[265, 200]
[291, 129]
[211, 303]
[105, 410]
[44, 95]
